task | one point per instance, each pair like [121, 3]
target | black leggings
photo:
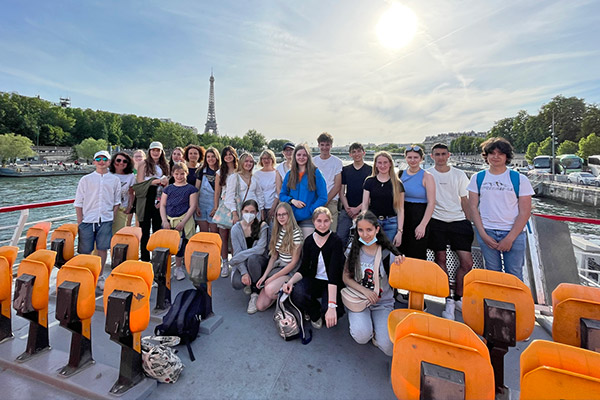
[151, 220]
[411, 247]
[305, 296]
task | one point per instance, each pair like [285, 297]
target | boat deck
[244, 358]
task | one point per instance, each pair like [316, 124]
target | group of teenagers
[310, 226]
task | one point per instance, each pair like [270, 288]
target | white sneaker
[318, 324]
[458, 304]
[101, 283]
[179, 274]
[252, 304]
[247, 290]
[224, 268]
[448, 313]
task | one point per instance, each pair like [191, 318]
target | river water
[34, 190]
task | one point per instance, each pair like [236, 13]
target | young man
[331, 168]
[499, 212]
[449, 223]
[351, 193]
[97, 200]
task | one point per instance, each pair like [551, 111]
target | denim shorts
[205, 206]
[90, 233]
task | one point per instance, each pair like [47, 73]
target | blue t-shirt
[178, 199]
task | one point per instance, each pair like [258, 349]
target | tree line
[47, 124]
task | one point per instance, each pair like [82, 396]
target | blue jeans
[513, 259]
[343, 227]
[389, 226]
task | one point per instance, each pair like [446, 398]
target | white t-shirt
[498, 204]
[282, 169]
[449, 188]
[235, 182]
[127, 181]
[330, 168]
[266, 180]
[321, 271]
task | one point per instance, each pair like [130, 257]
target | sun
[397, 26]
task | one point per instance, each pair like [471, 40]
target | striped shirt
[298, 239]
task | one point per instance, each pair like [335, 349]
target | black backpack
[183, 318]
[290, 321]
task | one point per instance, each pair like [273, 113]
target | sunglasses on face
[98, 159]
[121, 160]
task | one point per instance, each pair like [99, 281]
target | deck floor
[244, 358]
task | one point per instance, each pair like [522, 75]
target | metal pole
[553, 172]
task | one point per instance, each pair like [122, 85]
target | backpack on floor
[289, 320]
[183, 318]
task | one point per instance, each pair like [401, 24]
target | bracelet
[400, 230]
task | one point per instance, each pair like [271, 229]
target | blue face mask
[374, 240]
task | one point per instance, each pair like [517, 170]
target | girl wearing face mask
[249, 239]
[371, 243]
[320, 274]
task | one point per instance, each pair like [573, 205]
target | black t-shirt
[382, 197]
[354, 179]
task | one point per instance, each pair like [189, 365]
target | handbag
[289, 320]
[355, 300]
[159, 360]
[224, 216]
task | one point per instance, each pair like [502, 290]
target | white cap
[155, 145]
[102, 153]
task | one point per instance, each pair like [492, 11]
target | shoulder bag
[355, 300]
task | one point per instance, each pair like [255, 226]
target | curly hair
[499, 143]
[187, 149]
[128, 167]
[353, 261]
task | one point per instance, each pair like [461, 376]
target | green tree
[277, 144]
[545, 148]
[568, 116]
[87, 148]
[567, 147]
[531, 152]
[503, 128]
[14, 146]
[591, 121]
[519, 131]
[257, 140]
[589, 146]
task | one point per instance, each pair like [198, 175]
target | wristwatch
[332, 305]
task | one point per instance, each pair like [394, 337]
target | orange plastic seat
[167, 238]
[135, 277]
[424, 337]
[570, 303]
[39, 264]
[8, 256]
[83, 269]
[551, 370]
[40, 230]
[130, 236]
[206, 242]
[480, 284]
[419, 277]
[68, 232]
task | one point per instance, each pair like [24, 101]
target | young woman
[229, 165]
[249, 239]
[360, 274]
[177, 207]
[320, 274]
[138, 157]
[267, 177]
[419, 202]
[242, 185]
[193, 156]
[304, 188]
[205, 183]
[383, 195]
[156, 169]
[121, 166]
[284, 250]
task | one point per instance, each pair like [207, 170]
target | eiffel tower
[211, 119]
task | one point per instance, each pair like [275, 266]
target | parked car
[583, 178]
[596, 181]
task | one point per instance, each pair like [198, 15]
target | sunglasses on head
[121, 160]
[101, 159]
[414, 148]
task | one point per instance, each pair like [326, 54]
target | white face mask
[248, 217]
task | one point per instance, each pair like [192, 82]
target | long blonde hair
[287, 244]
[242, 160]
[397, 186]
[294, 178]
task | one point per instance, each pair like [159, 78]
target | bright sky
[293, 69]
